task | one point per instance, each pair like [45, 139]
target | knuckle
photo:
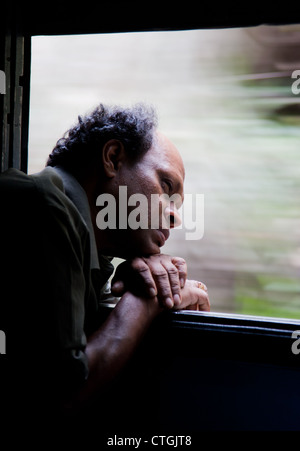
[182, 270]
[178, 260]
[160, 273]
[172, 270]
[139, 265]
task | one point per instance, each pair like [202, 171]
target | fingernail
[169, 303]
[152, 292]
[177, 299]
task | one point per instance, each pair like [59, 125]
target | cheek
[144, 181]
[144, 186]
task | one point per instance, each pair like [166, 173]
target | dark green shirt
[52, 276]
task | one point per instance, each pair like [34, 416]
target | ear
[113, 156]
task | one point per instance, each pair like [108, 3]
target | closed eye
[168, 184]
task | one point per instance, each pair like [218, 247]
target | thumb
[117, 287]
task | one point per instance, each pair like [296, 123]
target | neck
[93, 188]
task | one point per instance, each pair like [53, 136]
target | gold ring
[202, 286]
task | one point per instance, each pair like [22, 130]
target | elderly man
[64, 251]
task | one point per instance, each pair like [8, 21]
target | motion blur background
[224, 98]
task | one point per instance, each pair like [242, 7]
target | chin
[146, 247]
[155, 249]
[138, 244]
[144, 251]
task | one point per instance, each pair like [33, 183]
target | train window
[229, 100]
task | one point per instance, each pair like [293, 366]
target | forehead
[165, 158]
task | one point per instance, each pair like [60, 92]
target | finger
[203, 299]
[204, 303]
[133, 275]
[174, 281]
[194, 307]
[118, 283]
[181, 266]
[143, 271]
[162, 282]
[117, 287]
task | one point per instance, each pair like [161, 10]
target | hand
[158, 275]
[194, 296]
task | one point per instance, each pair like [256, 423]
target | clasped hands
[164, 277]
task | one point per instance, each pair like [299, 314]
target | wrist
[142, 309]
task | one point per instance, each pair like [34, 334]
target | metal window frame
[21, 21]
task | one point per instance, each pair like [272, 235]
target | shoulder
[14, 180]
[41, 195]
[57, 205]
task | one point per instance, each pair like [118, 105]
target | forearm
[112, 345]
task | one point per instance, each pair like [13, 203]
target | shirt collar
[78, 196]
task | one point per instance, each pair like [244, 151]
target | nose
[172, 216]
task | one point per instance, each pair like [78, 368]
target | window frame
[22, 22]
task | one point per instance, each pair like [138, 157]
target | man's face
[159, 172]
